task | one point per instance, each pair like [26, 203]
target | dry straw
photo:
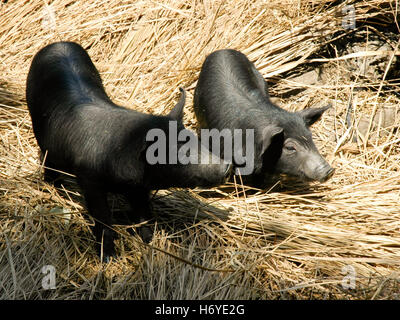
[289, 241]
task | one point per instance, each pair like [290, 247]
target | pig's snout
[317, 168]
[211, 175]
[324, 173]
[328, 175]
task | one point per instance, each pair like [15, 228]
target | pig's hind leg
[97, 206]
[140, 213]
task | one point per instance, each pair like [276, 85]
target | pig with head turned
[81, 131]
[232, 94]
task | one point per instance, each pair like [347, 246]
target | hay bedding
[290, 241]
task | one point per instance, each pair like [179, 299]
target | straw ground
[339, 240]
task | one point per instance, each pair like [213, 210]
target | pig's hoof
[146, 233]
[106, 248]
[107, 252]
[107, 259]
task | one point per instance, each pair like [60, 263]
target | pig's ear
[272, 143]
[312, 115]
[271, 134]
[177, 112]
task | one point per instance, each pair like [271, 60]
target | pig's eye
[290, 148]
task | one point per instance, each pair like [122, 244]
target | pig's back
[229, 88]
[62, 75]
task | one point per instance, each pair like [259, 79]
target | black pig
[81, 131]
[232, 94]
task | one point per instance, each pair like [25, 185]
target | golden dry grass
[231, 242]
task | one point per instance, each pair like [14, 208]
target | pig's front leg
[97, 205]
[138, 199]
[50, 176]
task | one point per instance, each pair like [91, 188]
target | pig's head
[187, 163]
[290, 149]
